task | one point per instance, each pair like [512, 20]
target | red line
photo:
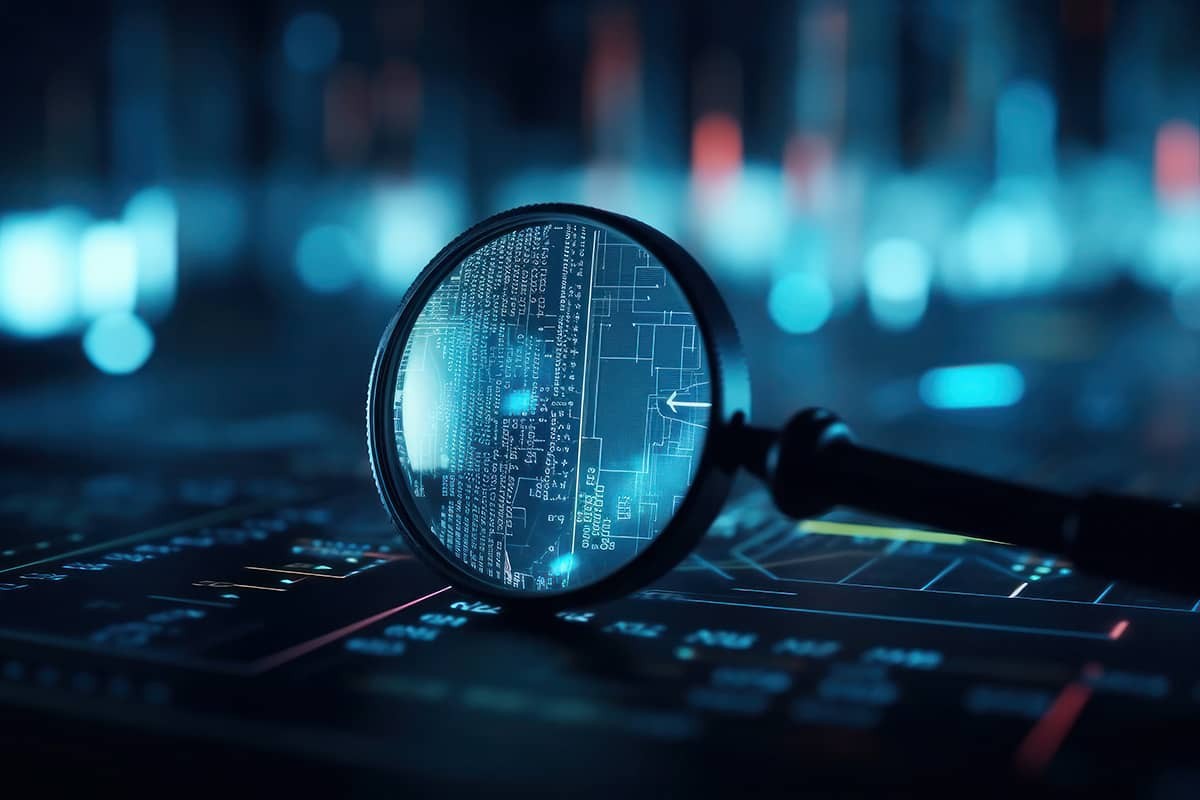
[304, 648]
[1118, 629]
[1047, 735]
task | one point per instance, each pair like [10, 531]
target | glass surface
[551, 406]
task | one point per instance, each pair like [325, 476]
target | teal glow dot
[118, 343]
[1035, 577]
[1043, 570]
[972, 386]
[800, 302]
[562, 565]
[1018, 567]
[329, 258]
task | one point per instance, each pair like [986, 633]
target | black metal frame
[719, 459]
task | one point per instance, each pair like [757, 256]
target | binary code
[551, 403]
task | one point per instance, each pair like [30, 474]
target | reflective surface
[551, 406]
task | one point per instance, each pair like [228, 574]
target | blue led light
[972, 386]
[412, 222]
[1172, 254]
[517, 402]
[311, 42]
[1185, 300]
[800, 302]
[37, 274]
[329, 258]
[108, 261]
[118, 343]
[898, 274]
[1026, 120]
[562, 565]
[1014, 242]
[151, 215]
[742, 223]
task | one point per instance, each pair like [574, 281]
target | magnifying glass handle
[814, 464]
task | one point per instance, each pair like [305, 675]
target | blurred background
[954, 217]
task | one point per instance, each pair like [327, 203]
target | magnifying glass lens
[551, 404]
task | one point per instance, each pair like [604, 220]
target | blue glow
[1026, 120]
[1013, 243]
[1173, 249]
[647, 195]
[153, 218]
[518, 402]
[898, 274]
[329, 258]
[216, 222]
[1018, 567]
[311, 42]
[118, 343]
[1109, 211]
[37, 274]
[562, 565]
[743, 222]
[972, 386]
[412, 223]
[1185, 301]
[800, 302]
[108, 279]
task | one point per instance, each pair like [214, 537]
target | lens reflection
[552, 402]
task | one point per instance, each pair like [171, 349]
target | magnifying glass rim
[714, 473]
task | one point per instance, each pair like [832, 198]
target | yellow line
[829, 528]
[296, 572]
[229, 585]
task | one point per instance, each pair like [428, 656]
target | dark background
[269, 177]
[880, 189]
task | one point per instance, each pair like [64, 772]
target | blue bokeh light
[1026, 121]
[329, 258]
[1173, 248]
[898, 273]
[800, 302]
[1014, 243]
[1185, 301]
[37, 274]
[412, 222]
[742, 224]
[153, 217]
[311, 42]
[518, 402]
[562, 565]
[972, 386]
[108, 276]
[118, 343]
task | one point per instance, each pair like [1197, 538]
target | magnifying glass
[559, 406]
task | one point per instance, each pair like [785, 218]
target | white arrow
[674, 404]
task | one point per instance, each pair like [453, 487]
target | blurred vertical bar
[140, 69]
[141, 146]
